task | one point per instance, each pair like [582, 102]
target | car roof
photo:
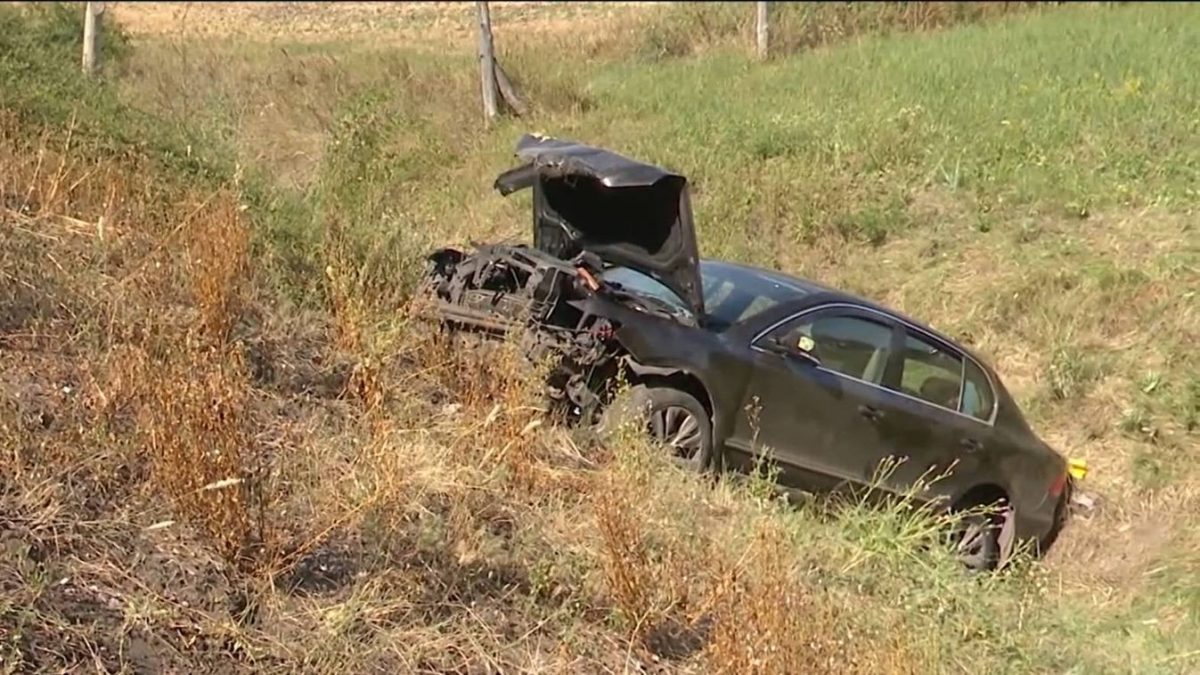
[821, 294]
[817, 294]
[804, 286]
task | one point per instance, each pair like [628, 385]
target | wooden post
[91, 37]
[760, 29]
[487, 63]
[509, 92]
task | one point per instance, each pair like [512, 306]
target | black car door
[814, 396]
[938, 420]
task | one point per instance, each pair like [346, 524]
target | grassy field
[228, 444]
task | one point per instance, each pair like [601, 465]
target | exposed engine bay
[556, 308]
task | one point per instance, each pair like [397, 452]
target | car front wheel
[671, 417]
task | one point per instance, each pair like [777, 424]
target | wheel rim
[678, 428]
[972, 545]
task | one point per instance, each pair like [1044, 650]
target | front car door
[814, 398]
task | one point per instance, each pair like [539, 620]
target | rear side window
[978, 400]
[931, 374]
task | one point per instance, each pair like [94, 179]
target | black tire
[664, 413]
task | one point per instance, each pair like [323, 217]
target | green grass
[1027, 184]
[834, 145]
[43, 87]
[1078, 107]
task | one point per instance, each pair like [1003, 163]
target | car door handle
[970, 445]
[870, 412]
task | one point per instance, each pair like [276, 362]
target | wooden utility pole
[91, 37]
[761, 32]
[487, 63]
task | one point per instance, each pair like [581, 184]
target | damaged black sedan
[724, 362]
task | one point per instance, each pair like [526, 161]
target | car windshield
[732, 293]
[645, 285]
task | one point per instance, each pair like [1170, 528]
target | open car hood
[625, 212]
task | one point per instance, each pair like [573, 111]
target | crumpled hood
[626, 212]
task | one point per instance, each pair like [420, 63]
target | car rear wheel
[671, 417]
[976, 540]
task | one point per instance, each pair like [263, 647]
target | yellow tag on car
[1077, 467]
[806, 343]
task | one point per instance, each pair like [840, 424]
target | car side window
[931, 373]
[850, 345]
[978, 400]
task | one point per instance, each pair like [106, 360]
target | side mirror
[807, 357]
[779, 345]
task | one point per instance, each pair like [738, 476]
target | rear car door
[939, 419]
[814, 395]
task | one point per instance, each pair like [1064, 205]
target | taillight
[1059, 484]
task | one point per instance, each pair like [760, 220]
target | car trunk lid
[625, 212]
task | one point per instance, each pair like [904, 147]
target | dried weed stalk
[768, 620]
[628, 570]
[197, 426]
[498, 397]
[218, 245]
[653, 575]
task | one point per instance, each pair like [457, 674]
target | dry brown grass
[430, 24]
[769, 622]
[196, 422]
[350, 311]
[117, 315]
[226, 482]
[91, 255]
[218, 246]
[196, 406]
[632, 577]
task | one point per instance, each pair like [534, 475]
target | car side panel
[723, 364]
[1030, 469]
[936, 447]
[807, 420]
[663, 343]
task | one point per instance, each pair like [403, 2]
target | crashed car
[723, 362]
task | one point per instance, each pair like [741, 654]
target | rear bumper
[1062, 513]
[1042, 527]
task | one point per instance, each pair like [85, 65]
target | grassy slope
[1012, 182]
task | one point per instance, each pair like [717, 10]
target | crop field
[229, 443]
